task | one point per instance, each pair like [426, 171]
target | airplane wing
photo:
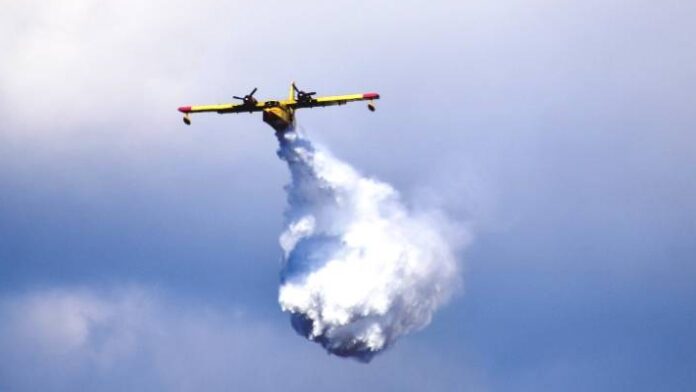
[332, 100]
[224, 108]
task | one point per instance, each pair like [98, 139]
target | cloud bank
[68, 338]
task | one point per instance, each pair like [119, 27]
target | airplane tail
[291, 94]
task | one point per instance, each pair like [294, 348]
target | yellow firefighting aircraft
[279, 114]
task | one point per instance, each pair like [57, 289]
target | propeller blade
[312, 93]
[297, 90]
[236, 97]
[253, 91]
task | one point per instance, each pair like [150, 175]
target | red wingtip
[371, 96]
[185, 109]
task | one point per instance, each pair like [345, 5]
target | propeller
[249, 98]
[303, 96]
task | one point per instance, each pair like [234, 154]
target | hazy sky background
[138, 253]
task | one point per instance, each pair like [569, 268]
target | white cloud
[86, 62]
[78, 62]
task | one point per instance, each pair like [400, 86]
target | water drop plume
[359, 268]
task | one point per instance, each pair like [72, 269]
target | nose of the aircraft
[185, 109]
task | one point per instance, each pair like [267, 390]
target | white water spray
[359, 269]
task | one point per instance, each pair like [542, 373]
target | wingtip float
[279, 114]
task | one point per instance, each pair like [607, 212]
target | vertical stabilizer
[291, 94]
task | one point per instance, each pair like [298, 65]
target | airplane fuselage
[279, 117]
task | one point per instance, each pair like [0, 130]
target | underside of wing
[224, 108]
[333, 100]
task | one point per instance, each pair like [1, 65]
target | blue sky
[139, 253]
